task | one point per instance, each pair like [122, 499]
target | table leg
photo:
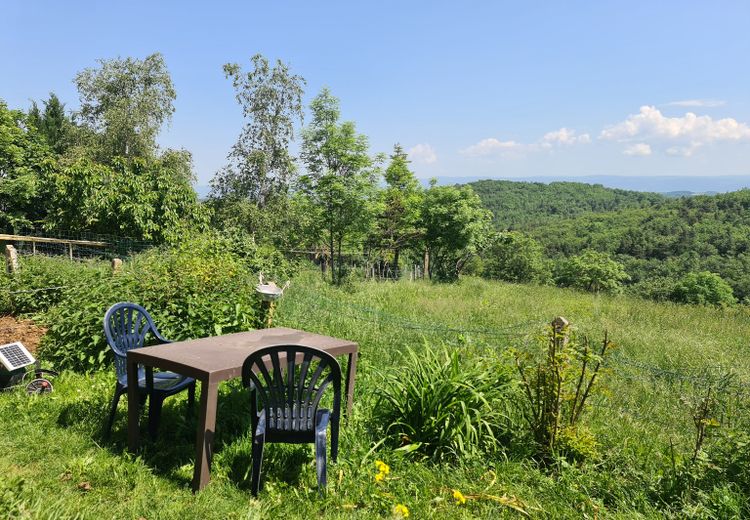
[205, 436]
[133, 408]
[351, 373]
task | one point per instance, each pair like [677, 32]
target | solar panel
[15, 355]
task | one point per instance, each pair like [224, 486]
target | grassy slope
[51, 445]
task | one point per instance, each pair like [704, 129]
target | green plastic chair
[126, 326]
[287, 383]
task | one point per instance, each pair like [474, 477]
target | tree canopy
[24, 158]
[340, 183]
[126, 102]
[261, 165]
[592, 271]
[704, 288]
[454, 224]
[398, 224]
[514, 257]
[53, 124]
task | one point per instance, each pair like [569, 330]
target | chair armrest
[160, 337]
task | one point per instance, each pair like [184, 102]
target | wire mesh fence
[74, 245]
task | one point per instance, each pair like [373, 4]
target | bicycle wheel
[39, 386]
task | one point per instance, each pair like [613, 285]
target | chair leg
[335, 437]
[321, 425]
[259, 439]
[154, 415]
[113, 410]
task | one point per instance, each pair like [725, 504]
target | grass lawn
[55, 463]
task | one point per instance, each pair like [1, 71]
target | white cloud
[423, 153]
[491, 146]
[638, 149]
[707, 103]
[564, 137]
[685, 134]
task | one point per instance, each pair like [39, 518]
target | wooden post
[116, 265]
[11, 259]
[70, 250]
[560, 325]
[33, 248]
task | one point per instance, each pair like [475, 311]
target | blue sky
[496, 89]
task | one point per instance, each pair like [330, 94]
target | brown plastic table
[216, 359]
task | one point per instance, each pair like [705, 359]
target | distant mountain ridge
[653, 184]
[669, 185]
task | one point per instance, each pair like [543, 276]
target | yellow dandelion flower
[379, 477]
[459, 497]
[401, 510]
[382, 467]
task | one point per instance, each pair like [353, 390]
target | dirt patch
[24, 331]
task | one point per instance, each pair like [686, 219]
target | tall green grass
[55, 464]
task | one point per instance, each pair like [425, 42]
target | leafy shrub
[515, 257]
[148, 199]
[577, 443]
[703, 288]
[199, 288]
[592, 271]
[444, 406]
[22, 295]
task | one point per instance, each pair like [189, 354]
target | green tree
[340, 183]
[260, 163]
[24, 159]
[126, 102]
[703, 288]
[592, 271]
[53, 123]
[149, 199]
[515, 257]
[398, 223]
[455, 224]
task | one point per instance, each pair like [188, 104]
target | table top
[221, 357]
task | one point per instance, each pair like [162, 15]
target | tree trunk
[333, 254]
[338, 260]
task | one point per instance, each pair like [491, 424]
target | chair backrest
[291, 391]
[126, 326]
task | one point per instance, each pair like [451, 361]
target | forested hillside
[703, 233]
[519, 204]
[658, 240]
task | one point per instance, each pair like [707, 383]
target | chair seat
[167, 382]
